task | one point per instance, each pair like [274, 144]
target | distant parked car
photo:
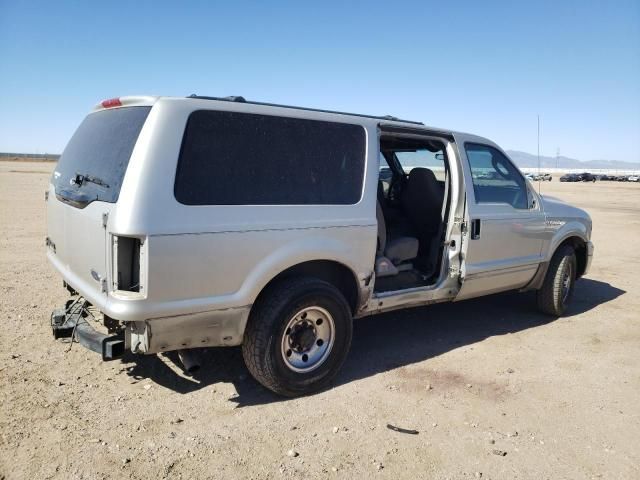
[633, 178]
[570, 177]
[545, 177]
[586, 177]
[623, 178]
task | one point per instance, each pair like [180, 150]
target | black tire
[266, 327]
[559, 282]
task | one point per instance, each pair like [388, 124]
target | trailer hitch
[72, 322]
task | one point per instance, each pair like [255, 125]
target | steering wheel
[500, 168]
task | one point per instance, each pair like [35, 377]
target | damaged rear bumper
[206, 329]
[73, 322]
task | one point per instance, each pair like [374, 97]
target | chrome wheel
[566, 282]
[308, 339]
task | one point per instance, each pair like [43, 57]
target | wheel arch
[331, 271]
[579, 246]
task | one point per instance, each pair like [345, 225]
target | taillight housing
[128, 272]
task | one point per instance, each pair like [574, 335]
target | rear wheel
[298, 336]
[559, 282]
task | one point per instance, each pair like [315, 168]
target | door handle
[475, 229]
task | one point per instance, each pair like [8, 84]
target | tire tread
[255, 348]
[549, 296]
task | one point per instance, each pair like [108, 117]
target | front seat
[422, 199]
[393, 255]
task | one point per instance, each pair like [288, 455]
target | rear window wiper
[79, 179]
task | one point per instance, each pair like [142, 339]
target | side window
[230, 158]
[495, 178]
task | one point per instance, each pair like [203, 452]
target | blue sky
[486, 67]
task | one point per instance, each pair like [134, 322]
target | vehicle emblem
[555, 223]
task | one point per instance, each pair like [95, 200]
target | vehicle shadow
[382, 342]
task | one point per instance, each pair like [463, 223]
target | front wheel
[557, 288]
[298, 336]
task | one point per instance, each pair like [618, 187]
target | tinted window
[95, 160]
[230, 158]
[495, 178]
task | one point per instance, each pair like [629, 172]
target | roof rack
[239, 99]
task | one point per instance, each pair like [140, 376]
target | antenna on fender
[539, 177]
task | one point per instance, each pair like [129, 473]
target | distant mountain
[526, 160]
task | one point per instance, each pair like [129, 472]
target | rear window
[230, 158]
[95, 160]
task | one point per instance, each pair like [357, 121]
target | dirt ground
[494, 389]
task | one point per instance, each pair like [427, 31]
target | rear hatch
[85, 187]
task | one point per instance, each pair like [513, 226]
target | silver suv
[180, 223]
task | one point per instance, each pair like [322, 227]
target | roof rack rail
[239, 99]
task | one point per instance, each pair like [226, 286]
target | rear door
[505, 223]
[85, 186]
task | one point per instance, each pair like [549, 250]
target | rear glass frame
[257, 150]
[94, 163]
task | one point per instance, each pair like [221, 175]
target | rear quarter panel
[229, 269]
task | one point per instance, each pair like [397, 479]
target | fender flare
[538, 279]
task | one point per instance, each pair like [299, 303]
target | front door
[505, 224]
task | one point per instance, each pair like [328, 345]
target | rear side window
[230, 158]
[495, 178]
[95, 160]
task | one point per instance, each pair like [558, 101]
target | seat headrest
[422, 175]
[422, 193]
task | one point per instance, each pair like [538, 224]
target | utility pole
[557, 158]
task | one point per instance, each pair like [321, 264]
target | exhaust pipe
[189, 362]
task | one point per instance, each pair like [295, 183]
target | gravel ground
[494, 389]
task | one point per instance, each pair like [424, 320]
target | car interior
[412, 208]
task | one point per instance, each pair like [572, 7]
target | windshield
[95, 160]
[423, 158]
